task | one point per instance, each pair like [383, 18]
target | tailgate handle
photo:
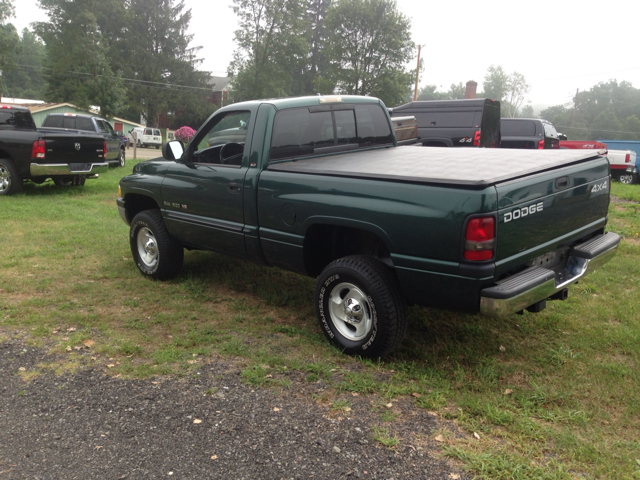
[562, 182]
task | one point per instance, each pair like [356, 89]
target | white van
[147, 137]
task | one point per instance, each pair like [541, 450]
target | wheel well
[4, 155]
[136, 203]
[325, 243]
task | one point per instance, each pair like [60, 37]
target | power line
[132, 81]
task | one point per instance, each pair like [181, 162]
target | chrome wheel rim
[147, 247]
[122, 160]
[5, 179]
[626, 179]
[350, 311]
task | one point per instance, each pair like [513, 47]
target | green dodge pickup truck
[317, 185]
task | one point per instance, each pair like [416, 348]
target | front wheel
[360, 307]
[10, 180]
[155, 252]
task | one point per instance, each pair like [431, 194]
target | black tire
[156, 253]
[157, 147]
[10, 179]
[360, 307]
[121, 158]
[69, 181]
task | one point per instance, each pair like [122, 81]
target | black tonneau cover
[474, 168]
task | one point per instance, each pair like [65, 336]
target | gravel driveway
[88, 424]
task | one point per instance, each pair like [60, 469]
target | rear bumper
[55, 169]
[536, 283]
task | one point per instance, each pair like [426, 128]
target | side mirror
[173, 150]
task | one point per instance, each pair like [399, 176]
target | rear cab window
[84, 124]
[16, 119]
[309, 131]
[518, 128]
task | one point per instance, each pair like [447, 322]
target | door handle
[562, 182]
[234, 187]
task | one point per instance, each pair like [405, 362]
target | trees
[527, 112]
[456, 91]
[26, 80]
[129, 57]
[78, 54]
[605, 111]
[370, 43]
[271, 42]
[495, 82]
[9, 40]
[509, 89]
[158, 63]
[284, 48]
[517, 88]
[428, 92]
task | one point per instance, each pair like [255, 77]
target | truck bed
[478, 168]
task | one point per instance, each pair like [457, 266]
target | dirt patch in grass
[615, 199]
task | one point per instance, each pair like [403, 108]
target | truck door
[202, 194]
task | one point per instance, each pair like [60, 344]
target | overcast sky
[558, 46]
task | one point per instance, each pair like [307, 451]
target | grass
[560, 400]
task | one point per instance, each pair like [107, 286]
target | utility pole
[415, 91]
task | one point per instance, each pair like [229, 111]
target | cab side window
[222, 141]
[102, 126]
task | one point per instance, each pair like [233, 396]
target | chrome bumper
[536, 283]
[55, 169]
[122, 210]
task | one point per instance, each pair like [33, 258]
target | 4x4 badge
[78, 146]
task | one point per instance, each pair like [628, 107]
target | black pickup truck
[83, 124]
[28, 153]
[454, 123]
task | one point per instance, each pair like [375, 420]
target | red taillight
[37, 149]
[627, 158]
[8, 107]
[479, 238]
[540, 144]
[104, 149]
[476, 139]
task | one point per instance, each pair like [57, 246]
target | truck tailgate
[72, 148]
[539, 213]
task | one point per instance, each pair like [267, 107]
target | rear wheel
[360, 307]
[627, 178]
[121, 158]
[155, 252]
[10, 180]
